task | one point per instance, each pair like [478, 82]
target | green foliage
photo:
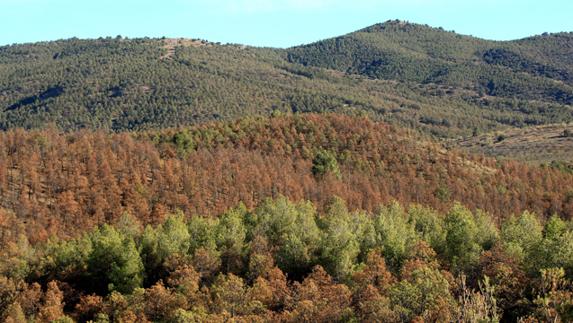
[231, 231]
[184, 142]
[554, 228]
[292, 229]
[114, 263]
[202, 232]
[183, 316]
[566, 167]
[324, 163]
[521, 235]
[555, 250]
[230, 295]
[341, 243]
[487, 231]
[17, 258]
[481, 305]
[539, 247]
[462, 238]
[526, 268]
[171, 238]
[64, 257]
[424, 289]
[429, 225]
[129, 225]
[102, 318]
[362, 225]
[423, 248]
[230, 237]
[395, 235]
[443, 194]
[135, 84]
[65, 319]
[417, 53]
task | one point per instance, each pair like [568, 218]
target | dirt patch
[170, 44]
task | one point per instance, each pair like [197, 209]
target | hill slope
[537, 68]
[542, 144]
[289, 217]
[64, 183]
[120, 84]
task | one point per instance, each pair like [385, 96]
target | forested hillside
[414, 76]
[54, 183]
[323, 218]
[357, 179]
[286, 262]
[537, 68]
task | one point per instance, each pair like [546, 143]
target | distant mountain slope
[542, 144]
[537, 68]
[409, 75]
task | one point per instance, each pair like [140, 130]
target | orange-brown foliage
[60, 184]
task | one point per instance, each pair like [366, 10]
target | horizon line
[53, 40]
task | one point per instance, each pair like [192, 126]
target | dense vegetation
[56, 183]
[537, 68]
[122, 84]
[177, 180]
[176, 226]
[286, 262]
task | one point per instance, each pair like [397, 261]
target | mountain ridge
[417, 80]
[390, 21]
[419, 53]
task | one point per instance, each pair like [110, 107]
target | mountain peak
[396, 24]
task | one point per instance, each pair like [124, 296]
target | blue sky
[276, 23]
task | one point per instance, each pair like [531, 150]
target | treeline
[54, 183]
[286, 262]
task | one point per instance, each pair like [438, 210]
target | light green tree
[157, 244]
[555, 250]
[202, 232]
[63, 257]
[341, 244]
[487, 231]
[230, 237]
[424, 293]
[429, 225]
[114, 261]
[395, 235]
[462, 238]
[325, 163]
[292, 229]
[521, 235]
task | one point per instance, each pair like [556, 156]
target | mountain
[536, 68]
[438, 82]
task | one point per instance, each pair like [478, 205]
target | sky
[272, 23]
